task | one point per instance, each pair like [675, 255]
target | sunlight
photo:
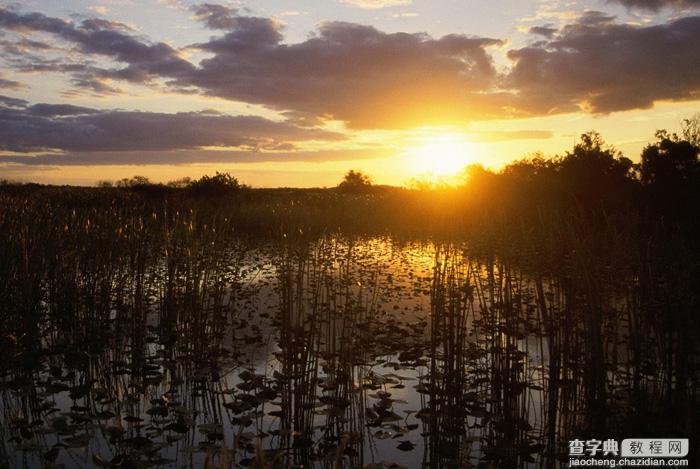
[440, 156]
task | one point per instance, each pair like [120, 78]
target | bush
[355, 181]
[220, 184]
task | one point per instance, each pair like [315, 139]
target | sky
[296, 93]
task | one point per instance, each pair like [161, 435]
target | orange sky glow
[406, 90]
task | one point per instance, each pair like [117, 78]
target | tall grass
[136, 330]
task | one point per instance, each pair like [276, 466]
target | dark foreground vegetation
[559, 301]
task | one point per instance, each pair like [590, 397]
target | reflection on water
[327, 353]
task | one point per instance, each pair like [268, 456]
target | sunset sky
[295, 93]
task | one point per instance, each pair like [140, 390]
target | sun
[440, 156]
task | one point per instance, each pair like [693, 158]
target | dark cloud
[12, 102]
[372, 79]
[144, 60]
[30, 64]
[45, 127]
[601, 66]
[93, 82]
[656, 5]
[349, 72]
[10, 84]
[594, 17]
[23, 47]
[94, 36]
[189, 157]
[53, 110]
[216, 16]
[546, 31]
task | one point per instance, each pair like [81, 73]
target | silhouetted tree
[592, 176]
[220, 184]
[669, 161]
[420, 184]
[143, 186]
[670, 172]
[355, 181]
[180, 183]
[479, 183]
[530, 181]
[595, 173]
[134, 181]
[690, 129]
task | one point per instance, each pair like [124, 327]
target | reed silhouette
[484, 325]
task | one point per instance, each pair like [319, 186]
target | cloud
[12, 102]
[54, 110]
[50, 127]
[546, 31]
[91, 82]
[215, 16]
[376, 4]
[656, 5]
[600, 66]
[371, 79]
[110, 39]
[187, 157]
[99, 9]
[10, 84]
[23, 46]
[293, 13]
[349, 72]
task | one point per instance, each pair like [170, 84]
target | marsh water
[330, 352]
